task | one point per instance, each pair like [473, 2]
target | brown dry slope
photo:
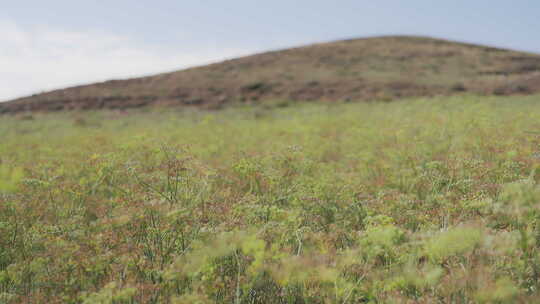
[381, 68]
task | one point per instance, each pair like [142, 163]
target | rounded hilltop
[379, 68]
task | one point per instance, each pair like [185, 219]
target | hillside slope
[381, 68]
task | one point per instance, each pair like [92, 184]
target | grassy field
[417, 201]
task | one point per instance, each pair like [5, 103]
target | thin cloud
[38, 59]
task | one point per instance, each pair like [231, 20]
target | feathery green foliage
[418, 201]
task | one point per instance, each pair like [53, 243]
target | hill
[382, 68]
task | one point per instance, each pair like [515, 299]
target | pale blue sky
[52, 44]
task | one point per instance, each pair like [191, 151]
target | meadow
[415, 201]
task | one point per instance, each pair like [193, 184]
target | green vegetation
[417, 201]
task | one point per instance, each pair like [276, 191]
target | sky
[54, 44]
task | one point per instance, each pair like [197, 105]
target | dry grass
[355, 70]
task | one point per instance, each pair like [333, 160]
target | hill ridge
[370, 68]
